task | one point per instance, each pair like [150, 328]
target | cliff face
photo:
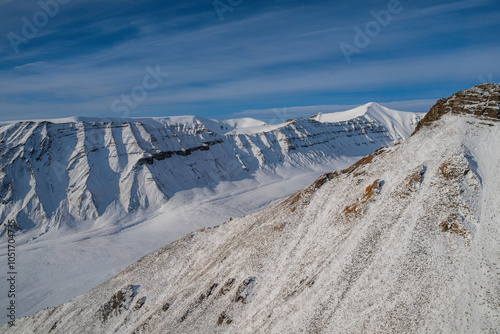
[481, 100]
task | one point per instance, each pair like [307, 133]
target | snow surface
[94, 195]
[406, 241]
[400, 124]
[246, 122]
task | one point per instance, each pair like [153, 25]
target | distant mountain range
[60, 172]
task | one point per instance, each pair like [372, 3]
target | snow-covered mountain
[399, 125]
[117, 189]
[60, 172]
[406, 240]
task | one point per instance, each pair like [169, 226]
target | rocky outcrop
[481, 100]
[184, 152]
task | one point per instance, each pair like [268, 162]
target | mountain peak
[481, 100]
[400, 124]
[362, 110]
[372, 105]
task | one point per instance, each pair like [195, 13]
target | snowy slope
[116, 189]
[407, 240]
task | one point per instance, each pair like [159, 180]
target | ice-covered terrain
[94, 195]
[406, 240]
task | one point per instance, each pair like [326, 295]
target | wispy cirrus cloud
[264, 54]
[455, 6]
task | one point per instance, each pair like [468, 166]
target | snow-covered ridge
[218, 126]
[406, 241]
[58, 172]
[399, 124]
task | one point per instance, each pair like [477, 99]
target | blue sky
[250, 58]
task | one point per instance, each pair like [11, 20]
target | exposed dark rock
[481, 100]
[199, 301]
[357, 208]
[140, 303]
[119, 302]
[245, 290]
[54, 326]
[226, 287]
[184, 152]
[224, 317]
[324, 178]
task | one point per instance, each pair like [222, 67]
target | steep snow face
[61, 173]
[406, 240]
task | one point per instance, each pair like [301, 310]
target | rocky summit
[481, 100]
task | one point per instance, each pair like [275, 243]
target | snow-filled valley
[94, 195]
[406, 240]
